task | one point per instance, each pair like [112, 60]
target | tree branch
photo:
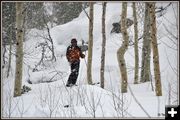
[86, 13]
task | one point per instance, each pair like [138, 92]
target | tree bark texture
[121, 51]
[103, 45]
[90, 45]
[157, 74]
[146, 50]
[19, 49]
[136, 73]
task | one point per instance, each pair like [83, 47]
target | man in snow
[73, 55]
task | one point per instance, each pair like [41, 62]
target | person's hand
[70, 61]
[82, 56]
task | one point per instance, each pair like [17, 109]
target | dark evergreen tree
[34, 15]
[64, 12]
[9, 16]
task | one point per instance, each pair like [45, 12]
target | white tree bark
[90, 45]
[121, 51]
[136, 73]
[157, 73]
[19, 49]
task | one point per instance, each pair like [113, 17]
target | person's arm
[81, 54]
[67, 54]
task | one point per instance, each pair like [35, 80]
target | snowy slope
[49, 99]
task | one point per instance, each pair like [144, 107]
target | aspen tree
[157, 74]
[136, 76]
[146, 50]
[121, 51]
[90, 45]
[103, 45]
[19, 49]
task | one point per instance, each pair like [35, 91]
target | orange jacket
[74, 54]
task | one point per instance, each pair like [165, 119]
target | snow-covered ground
[48, 99]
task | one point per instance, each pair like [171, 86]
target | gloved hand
[82, 56]
[70, 63]
[68, 59]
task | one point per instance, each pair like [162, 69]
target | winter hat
[73, 40]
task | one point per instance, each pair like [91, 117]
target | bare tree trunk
[90, 45]
[103, 45]
[19, 49]
[145, 68]
[157, 74]
[136, 45]
[10, 53]
[4, 57]
[121, 51]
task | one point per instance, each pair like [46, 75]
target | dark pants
[74, 73]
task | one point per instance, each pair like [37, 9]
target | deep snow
[48, 99]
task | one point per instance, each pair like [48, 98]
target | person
[73, 55]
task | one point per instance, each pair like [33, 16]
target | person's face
[74, 43]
